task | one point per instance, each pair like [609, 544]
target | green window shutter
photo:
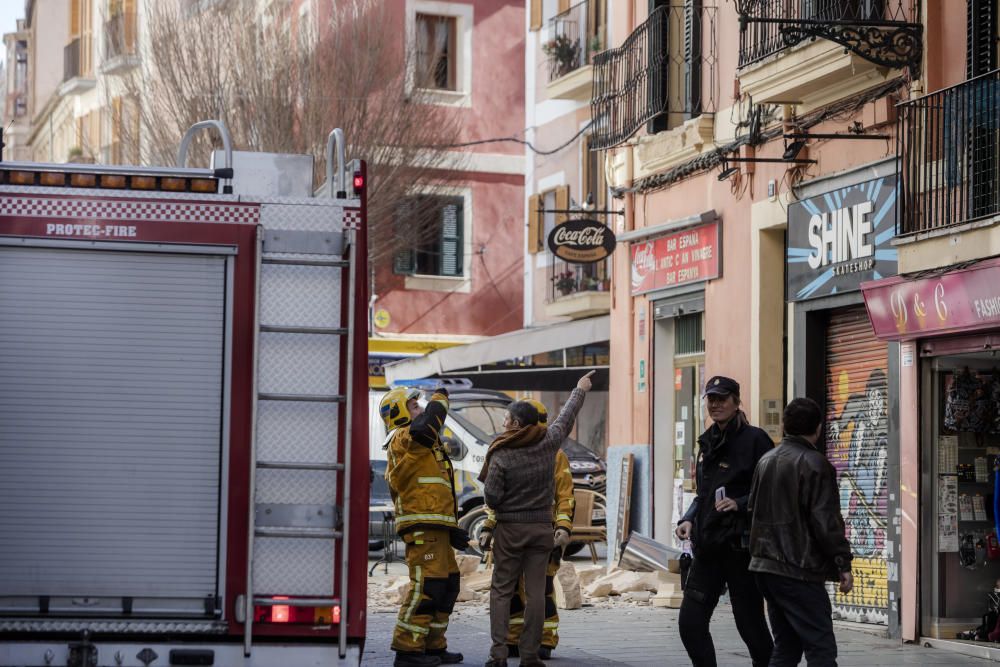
[451, 237]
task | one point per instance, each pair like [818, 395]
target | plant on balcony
[565, 282]
[564, 53]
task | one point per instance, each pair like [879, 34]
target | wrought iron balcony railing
[71, 60]
[570, 279]
[577, 34]
[948, 147]
[881, 31]
[665, 70]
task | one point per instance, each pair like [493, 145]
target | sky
[10, 12]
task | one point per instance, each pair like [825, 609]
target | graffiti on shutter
[857, 445]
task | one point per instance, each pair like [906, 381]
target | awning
[961, 300]
[515, 344]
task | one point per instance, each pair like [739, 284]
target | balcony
[879, 31]
[119, 43]
[578, 290]
[75, 77]
[949, 157]
[664, 74]
[863, 43]
[577, 34]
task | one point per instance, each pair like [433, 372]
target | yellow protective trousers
[550, 630]
[434, 586]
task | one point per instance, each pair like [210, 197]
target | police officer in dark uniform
[718, 524]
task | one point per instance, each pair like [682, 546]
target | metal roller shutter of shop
[111, 367]
[857, 442]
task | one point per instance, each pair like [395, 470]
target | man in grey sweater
[519, 477]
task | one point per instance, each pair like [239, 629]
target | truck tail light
[295, 614]
[279, 612]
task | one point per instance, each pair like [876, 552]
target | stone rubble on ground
[576, 585]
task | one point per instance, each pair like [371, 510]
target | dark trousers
[519, 549]
[709, 573]
[801, 620]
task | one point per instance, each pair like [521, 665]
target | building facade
[756, 169]
[75, 98]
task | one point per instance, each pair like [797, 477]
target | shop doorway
[960, 445]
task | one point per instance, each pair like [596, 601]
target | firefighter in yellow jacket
[563, 518]
[421, 482]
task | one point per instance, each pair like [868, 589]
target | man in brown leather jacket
[797, 540]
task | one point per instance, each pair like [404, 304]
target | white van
[475, 416]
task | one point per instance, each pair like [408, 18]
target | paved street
[638, 635]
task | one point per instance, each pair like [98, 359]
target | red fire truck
[183, 426]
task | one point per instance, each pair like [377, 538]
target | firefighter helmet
[543, 415]
[393, 408]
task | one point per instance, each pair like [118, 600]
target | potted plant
[564, 54]
[565, 282]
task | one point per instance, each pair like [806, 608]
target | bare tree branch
[281, 84]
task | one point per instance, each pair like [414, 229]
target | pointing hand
[585, 383]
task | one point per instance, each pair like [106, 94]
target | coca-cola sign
[684, 257]
[581, 241]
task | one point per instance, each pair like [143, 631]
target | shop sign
[682, 258]
[582, 241]
[951, 302]
[839, 239]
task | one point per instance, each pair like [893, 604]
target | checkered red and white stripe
[143, 211]
[352, 218]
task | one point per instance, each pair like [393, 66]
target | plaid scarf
[522, 437]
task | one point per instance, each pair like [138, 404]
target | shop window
[436, 52]
[431, 229]
[688, 337]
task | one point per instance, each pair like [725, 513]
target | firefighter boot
[445, 656]
[415, 659]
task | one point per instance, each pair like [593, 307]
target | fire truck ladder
[313, 256]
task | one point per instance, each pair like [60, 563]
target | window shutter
[451, 238]
[536, 14]
[980, 52]
[692, 58]
[534, 224]
[130, 23]
[562, 203]
[74, 18]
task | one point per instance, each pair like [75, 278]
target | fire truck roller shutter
[111, 402]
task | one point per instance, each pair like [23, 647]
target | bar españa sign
[581, 241]
[688, 256]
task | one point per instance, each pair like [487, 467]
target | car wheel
[472, 523]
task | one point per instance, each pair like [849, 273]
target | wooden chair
[584, 529]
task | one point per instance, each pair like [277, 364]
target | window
[592, 174]
[541, 220]
[688, 337]
[431, 229]
[436, 52]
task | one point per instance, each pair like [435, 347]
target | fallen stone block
[478, 581]
[396, 591]
[623, 581]
[590, 574]
[638, 596]
[467, 564]
[567, 587]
